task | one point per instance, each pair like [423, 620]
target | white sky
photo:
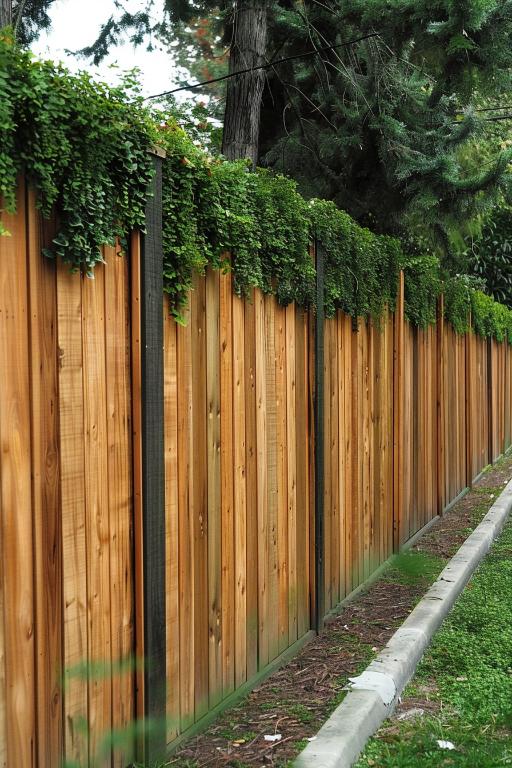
[75, 24]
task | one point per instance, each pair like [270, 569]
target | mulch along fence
[410, 418]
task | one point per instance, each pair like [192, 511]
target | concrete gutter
[374, 694]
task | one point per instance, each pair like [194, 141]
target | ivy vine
[84, 147]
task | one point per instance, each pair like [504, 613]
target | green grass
[414, 568]
[467, 675]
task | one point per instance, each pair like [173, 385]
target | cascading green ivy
[81, 145]
[361, 269]
[85, 149]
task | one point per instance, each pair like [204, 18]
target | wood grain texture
[198, 492]
[172, 523]
[15, 493]
[214, 487]
[73, 515]
[291, 468]
[118, 372]
[42, 287]
[97, 518]
[282, 477]
[411, 418]
[262, 481]
[271, 486]
[239, 494]
[251, 486]
[227, 490]
[185, 524]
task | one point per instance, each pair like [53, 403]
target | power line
[496, 118]
[488, 109]
[268, 65]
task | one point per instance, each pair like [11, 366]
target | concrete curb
[374, 695]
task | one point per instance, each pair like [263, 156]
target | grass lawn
[462, 691]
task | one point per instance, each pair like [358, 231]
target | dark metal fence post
[153, 472]
[319, 440]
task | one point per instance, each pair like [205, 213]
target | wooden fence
[411, 418]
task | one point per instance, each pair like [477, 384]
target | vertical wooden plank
[366, 500]
[292, 417]
[398, 436]
[72, 494]
[304, 518]
[118, 392]
[15, 492]
[240, 508]
[371, 447]
[97, 507]
[490, 409]
[319, 480]
[272, 489]
[377, 456]
[172, 607]
[332, 457]
[282, 476]
[468, 413]
[356, 458]
[186, 471]
[251, 487]
[348, 452]
[327, 468]
[389, 382]
[410, 431]
[262, 480]
[214, 486]
[198, 491]
[361, 449]
[42, 285]
[226, 426]
[432, 423]
[341, 454]
[3, 688]
[413, 395]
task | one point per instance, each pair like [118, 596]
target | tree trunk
[244, 92]
[5, 13]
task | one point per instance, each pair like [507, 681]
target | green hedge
[85, 146]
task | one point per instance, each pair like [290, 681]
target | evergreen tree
[382, 126]
[244, 24]
[27, 17]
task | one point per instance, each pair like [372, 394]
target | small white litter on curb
[343, 737]
[382, 684]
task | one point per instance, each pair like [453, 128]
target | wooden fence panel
[15, 496]
[454, 433]
[236, 393]
[358, 497]
[411, 418]
[66, 496]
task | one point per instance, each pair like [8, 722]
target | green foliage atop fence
[423, 286]
[212, 207]
[84, 147]
[80, 144]
[467, 306]
[361, 269]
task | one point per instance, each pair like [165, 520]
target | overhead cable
[268, 65]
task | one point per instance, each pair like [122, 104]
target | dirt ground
[296, 700]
